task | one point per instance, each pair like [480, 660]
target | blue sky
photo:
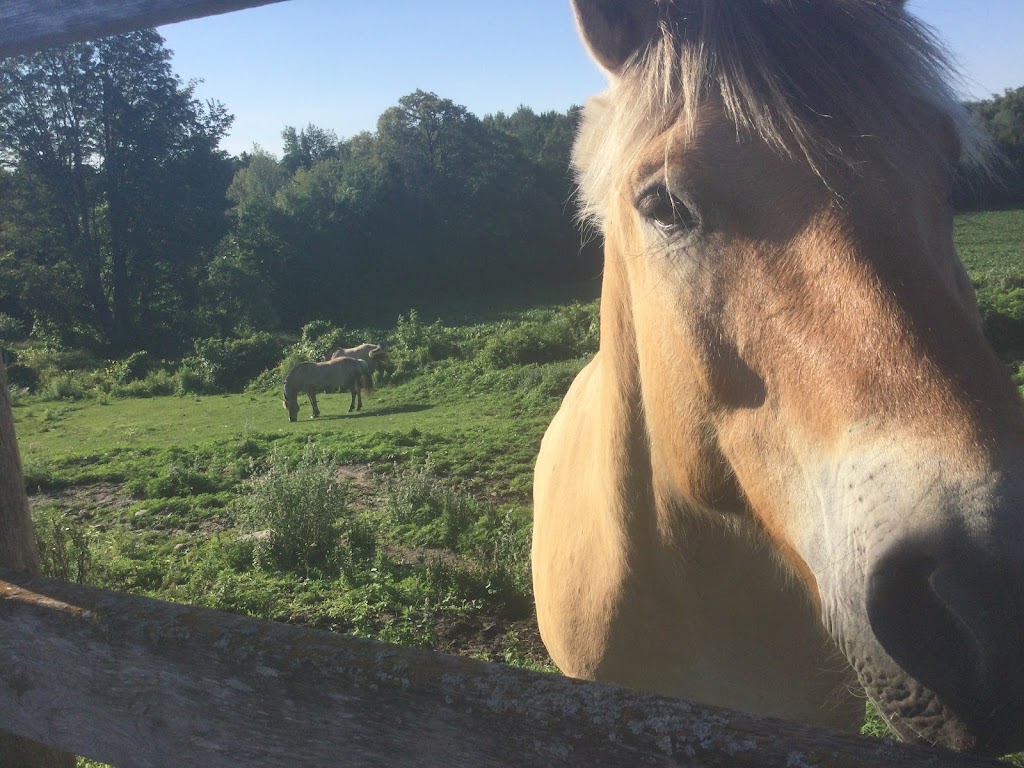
[339, 63]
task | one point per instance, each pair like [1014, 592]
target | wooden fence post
[18, 552]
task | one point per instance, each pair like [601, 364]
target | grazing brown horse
[345, 373]
[794, 465]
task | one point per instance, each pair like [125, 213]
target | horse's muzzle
[951, 622]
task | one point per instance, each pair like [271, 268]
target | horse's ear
[614, 30]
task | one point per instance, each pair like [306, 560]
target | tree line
[126, 227]
[1002, 118]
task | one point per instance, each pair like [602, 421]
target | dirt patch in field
[359, 483]
[491, 638]
[84, 500]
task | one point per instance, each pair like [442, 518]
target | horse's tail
[367, 376]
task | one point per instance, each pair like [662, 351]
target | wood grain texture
[18, 553]
[139, 682]
[31, 25]
[17, 541]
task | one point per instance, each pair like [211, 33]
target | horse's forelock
[803, 77]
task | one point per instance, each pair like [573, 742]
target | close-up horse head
[795, 468]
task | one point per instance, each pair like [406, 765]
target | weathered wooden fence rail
[139, 682]
[29, 25]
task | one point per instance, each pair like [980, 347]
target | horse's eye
[666, 211]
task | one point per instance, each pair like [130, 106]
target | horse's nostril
[922, 614]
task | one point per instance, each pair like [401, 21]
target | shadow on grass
[412, 408]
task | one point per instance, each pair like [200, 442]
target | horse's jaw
[920, 590]
[634, 587]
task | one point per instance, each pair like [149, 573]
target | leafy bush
[319, 338]
[65, 550]
[11, 328]
[571, 332]
[501, 540]
[194, 377]
[155, 384]
[551, 380]
[414, 345]
[227, 365]
[22, 376]
[134, 367]
[294, 513]
[16, 394]
[63, 386]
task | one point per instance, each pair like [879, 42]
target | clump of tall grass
[427, 510]
[16, 394]
[63, 386]
[64, 545]
[493, 543]
[295, 513]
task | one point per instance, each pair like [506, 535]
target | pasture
[408, 521]
[412, 516]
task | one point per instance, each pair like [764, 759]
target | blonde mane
[831, 82]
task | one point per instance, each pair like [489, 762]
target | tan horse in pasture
[373, 354]
[795, 468]
[344, 373]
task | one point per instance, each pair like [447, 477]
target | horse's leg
[352, 405]
[359, 398]
[312, 401]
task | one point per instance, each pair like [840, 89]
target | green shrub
[570, 333]
[11, 328]
[16, 394]
[319, 338]
[428, 510]
[132, 368]
[294, 513]
[155, 384]
[501, 540]
[551, 380]
[413, 345]
[22, 376]
[228, 365]
[194, 377]
[178, 478]
[65, 550]
[63, 386]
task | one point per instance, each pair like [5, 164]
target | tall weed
[65, 549]
[427, 510]
[294, 512]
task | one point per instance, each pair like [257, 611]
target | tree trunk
[18, 551]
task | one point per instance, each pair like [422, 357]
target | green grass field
[991, 244]
[424, 538]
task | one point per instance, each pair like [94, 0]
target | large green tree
[119, 166]
[1002, 117]
[308, 146]
[435, 200]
